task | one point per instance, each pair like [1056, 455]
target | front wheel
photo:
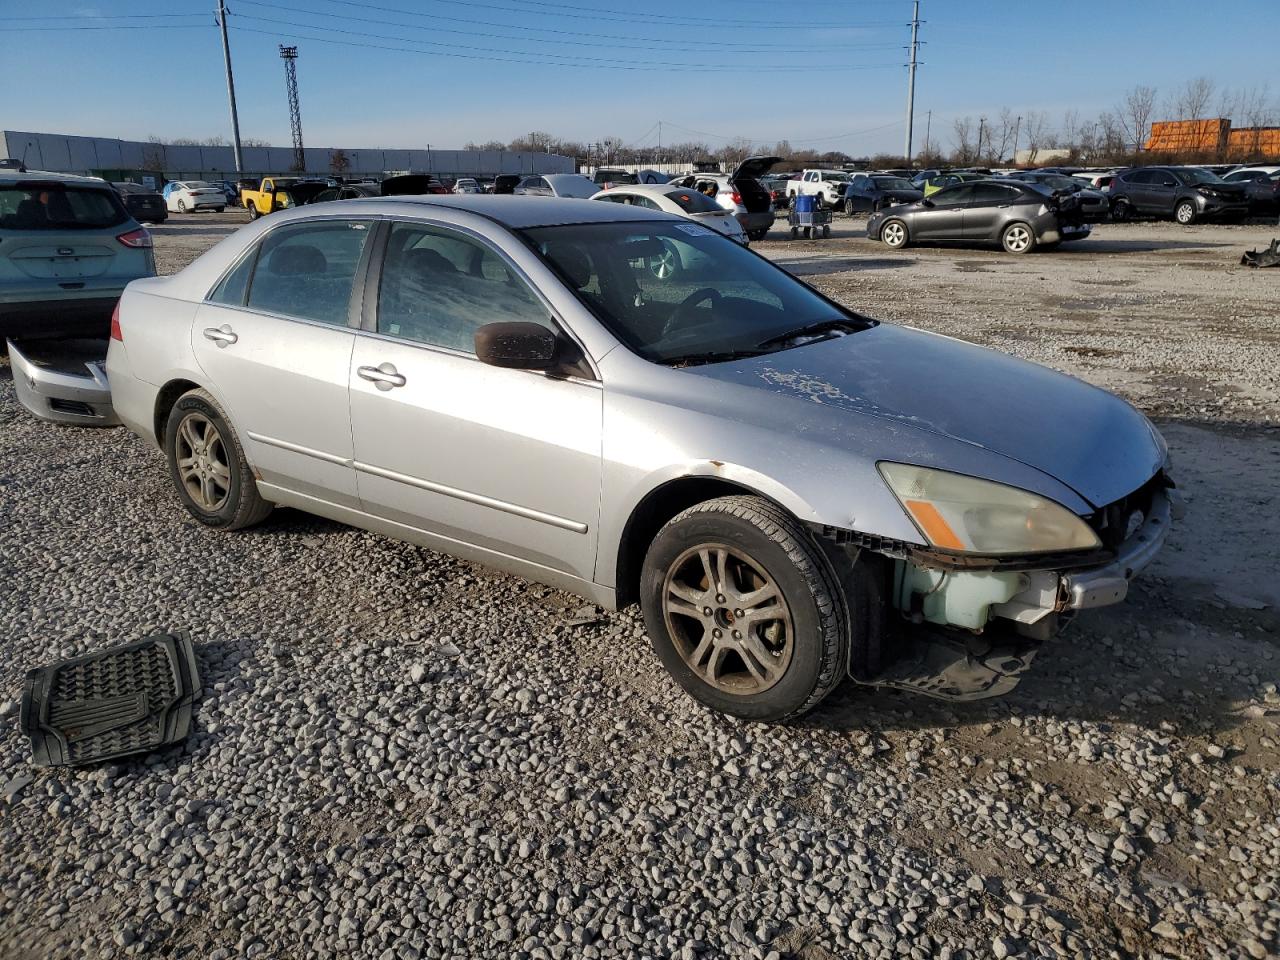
[1121, 211]
[182, 206]
[208, 467]
[219, 209]
[1018, 238]
[848, 208]
[745, 610]
[1185, 213]
[757, 234]
[894, 234]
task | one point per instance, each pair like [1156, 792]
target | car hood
[1083, 437]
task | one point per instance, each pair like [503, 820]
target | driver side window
[438, 287]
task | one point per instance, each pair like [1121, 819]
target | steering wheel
[684, 312]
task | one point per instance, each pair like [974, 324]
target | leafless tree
[963, 137]
[339, 162]
[153, 154]
[1004, 133]
[1192, 101]
[1036, 125]
[1134, 114]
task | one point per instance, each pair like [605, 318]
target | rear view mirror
[516, 344]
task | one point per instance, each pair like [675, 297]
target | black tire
[253, 212]
[794, 232]
[848, 208]
[1121, 210]
[219, 209]
[182, 206]
[1184, 212]
[805, 578]
[757, 234]
[241, 506]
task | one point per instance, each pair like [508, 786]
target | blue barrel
[804, 203]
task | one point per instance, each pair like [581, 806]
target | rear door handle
[222, 335]
[383, 376]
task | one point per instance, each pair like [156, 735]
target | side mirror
[517, 345]
[926, 202]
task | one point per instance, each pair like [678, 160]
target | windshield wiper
[716, 356]
[809, 330]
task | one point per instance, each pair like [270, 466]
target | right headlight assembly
[968, 515]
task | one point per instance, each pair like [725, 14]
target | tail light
[736, 197]
[116, 332]
[138, 239]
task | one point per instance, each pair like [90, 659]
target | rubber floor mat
[125, 700]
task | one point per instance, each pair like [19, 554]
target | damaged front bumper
[951, 656]
[64, 381]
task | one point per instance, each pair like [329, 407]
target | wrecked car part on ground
[672, 437]
[1270, 257]
[114, 703]
[64, 381]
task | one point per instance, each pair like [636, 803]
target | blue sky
[411, 72]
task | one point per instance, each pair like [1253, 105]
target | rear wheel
[208, 466]
[182, 206]
[1185, 213]
[219, 209]
[1018, 238]
[745, 610]
[848, 207]
[253, 212]
[894, 234]
[757, 234]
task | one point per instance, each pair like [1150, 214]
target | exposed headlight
[969, 515]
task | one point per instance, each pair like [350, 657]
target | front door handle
[383, 376]
[222, 335]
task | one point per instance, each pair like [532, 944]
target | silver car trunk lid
[1091, 441]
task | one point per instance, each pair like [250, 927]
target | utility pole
[982, 124]
[231, 86]
[1017, 128]
[928, 131]
[911, 76]
[290, 57]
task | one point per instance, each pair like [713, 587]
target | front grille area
[1113, 522]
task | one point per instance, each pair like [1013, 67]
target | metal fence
[71, 154]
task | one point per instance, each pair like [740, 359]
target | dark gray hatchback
[1019, 216]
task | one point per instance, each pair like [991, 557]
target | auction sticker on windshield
[694, 229]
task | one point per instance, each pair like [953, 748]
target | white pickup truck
[827, 184]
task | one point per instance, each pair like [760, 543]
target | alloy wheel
[664, 265]
[182, 206]
[1185, 213]
[728, 619]
[1017, 238]
[202, 462]
[894, 234]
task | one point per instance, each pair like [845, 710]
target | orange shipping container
[1254, 142]
[1189, 136]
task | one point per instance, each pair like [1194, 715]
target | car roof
[657, 188]
[513, 212]
[560, 176]
[41, 176]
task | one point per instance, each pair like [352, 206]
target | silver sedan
[776, 479]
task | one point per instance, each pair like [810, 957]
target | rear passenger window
[439, 287]
[306, 270]
[232, 289]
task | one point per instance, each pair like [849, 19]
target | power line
[837, 136]
[658, 44]
[524, 58]
[435, 18]
[115, 16]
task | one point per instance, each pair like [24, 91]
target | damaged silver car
[793, 492]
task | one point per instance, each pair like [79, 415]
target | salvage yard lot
[400, 754]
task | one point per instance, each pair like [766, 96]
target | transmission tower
[290, 57]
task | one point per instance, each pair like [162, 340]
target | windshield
[671, 291]
[197, 185]
[837, 177]
[1196, 175]
[615, 176]
[1059, 182]
[36, 206]
[892, 183]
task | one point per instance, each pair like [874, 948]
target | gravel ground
[402, 755]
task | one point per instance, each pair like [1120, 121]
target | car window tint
[52, 206]
[690, 201]
[644, 202]
[952, 195]
[438, 287]
[991, 193]
[232, 288]
[306, 270]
